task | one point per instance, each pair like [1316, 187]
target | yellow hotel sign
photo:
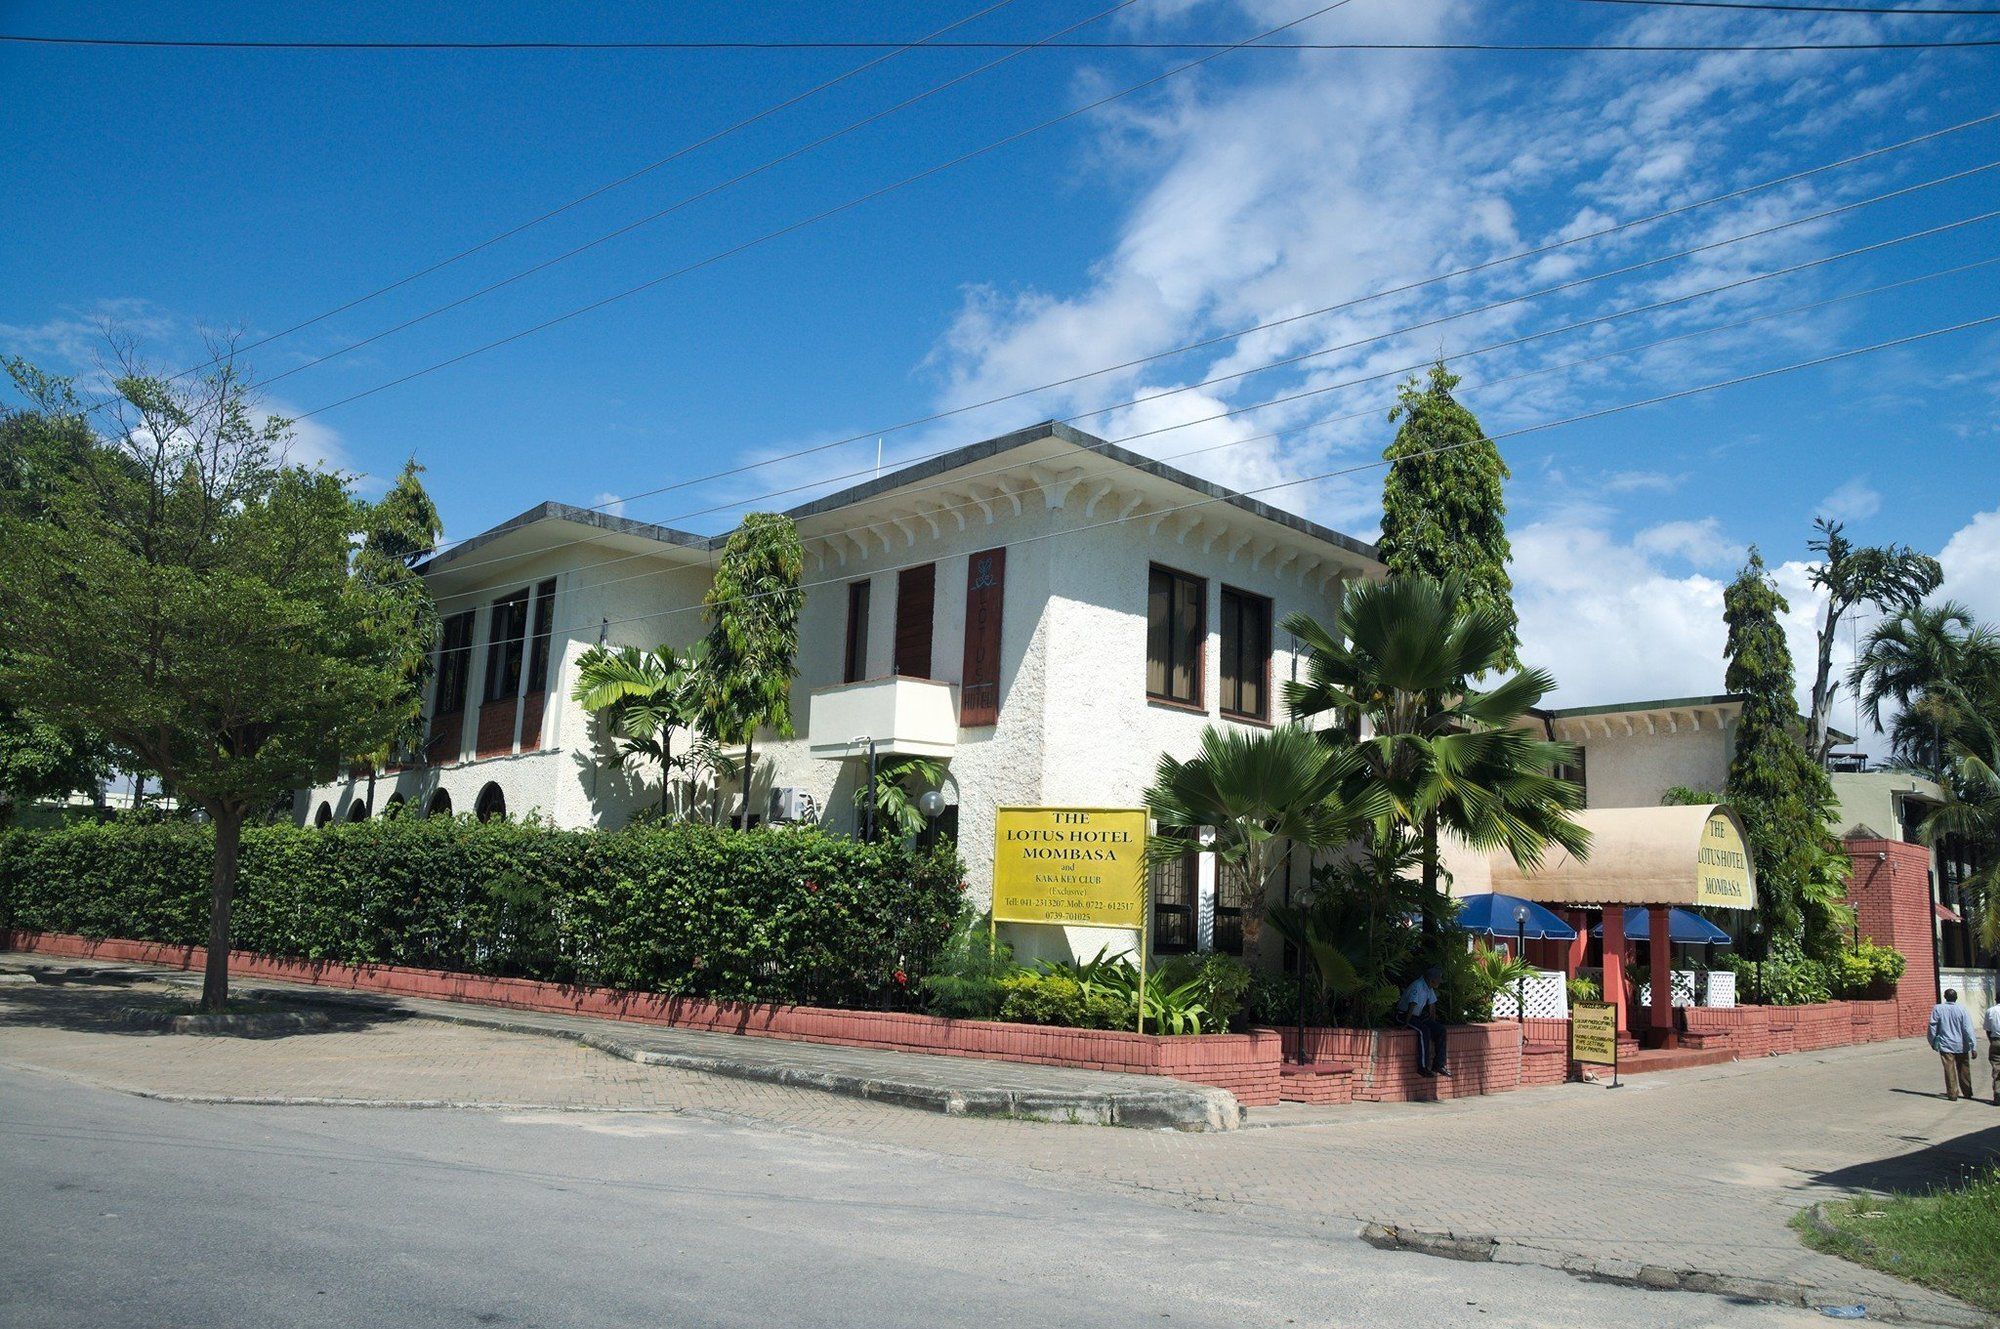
[1593, 1033]
[1722, 870]
[1070, 865]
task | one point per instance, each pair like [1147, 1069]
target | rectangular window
[506, 644]
[1232, 895]
[454, 664]
[854, 665]
[1176, 622]
[1173, 888]
[1246, 655]
[916, 601]
[985, 593]
[545, 623]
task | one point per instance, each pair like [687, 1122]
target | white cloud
[609, 502]
[1701, 543]
[1971, 561]
[1853, 501]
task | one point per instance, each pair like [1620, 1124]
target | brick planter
[1768, 1031]
[1244, 1064]
[1382, 1063]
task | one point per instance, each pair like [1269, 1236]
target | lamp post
[1520, 953]
[1757, 940]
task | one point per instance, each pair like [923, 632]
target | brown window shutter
[985, 592]
[916, 601]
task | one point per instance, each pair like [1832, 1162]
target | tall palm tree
[644, 696]
[1939, 667]
[1398, 673]
[1972, 809]
[1259, 793]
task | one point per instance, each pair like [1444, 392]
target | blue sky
[177, 190]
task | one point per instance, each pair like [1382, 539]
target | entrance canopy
[1673, 856]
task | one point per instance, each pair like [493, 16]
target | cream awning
[1672, 855]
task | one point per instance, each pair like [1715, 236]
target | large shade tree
[204, 604]
[1782, 792]
[753, 635]
[1444, 507]
[1972, 810]
[1891, 577]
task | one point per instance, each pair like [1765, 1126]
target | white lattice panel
[1546, 994]
[1721, 989]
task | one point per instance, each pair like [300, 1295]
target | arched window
[492, 804]
[358, 810]
[324, 817]
[394, 807]
[439, 806]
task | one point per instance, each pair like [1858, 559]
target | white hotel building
[1044, 612]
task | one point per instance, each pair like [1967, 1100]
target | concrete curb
[1661, 1278]
[1183, 1107]
[253, 1024]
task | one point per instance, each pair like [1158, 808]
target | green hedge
[778, 915]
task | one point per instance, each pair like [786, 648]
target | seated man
[1418, 1009]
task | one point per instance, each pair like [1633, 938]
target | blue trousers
[1430, 1042]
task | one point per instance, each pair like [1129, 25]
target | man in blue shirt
[1954, 1038]
[1419, 1009]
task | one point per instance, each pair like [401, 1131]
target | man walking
[1993, 1046]
[1952, 1035]
[1419, 1009]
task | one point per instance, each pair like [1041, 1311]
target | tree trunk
[1818, 741]
[666, 773]
[215, 976]
[1430, 873]
[749, 766]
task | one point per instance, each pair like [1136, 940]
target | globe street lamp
[1520, 954]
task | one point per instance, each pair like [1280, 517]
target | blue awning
[1495, 915]
[1684, 927]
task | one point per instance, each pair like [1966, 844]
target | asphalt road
[118, 1211]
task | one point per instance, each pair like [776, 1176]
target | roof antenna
[878, 456]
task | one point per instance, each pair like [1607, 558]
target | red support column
[1579, 947]
[1614, 962]
[1659, 924]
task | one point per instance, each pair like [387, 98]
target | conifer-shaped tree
[1784, 796]
[1443, 509]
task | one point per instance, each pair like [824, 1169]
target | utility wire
[1337, 307]
[1584, 417]
[599, 191]
[819, 216]
[697, 197]
[804, 45]
[1798, 9]
[958, 481]
[1441, 319]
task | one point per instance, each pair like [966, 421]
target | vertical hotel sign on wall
[1075, 867]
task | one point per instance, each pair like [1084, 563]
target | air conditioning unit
[789, 803]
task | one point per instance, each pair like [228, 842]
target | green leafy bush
[1786, 977]
[966, 981]
[1868, 972]
[1221, 983]
[1273, 999]
[1044, 997]
[1583, 989]
[780, 915]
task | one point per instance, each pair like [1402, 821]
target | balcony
[907, 717]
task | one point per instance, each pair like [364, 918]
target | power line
[822, 215]
[1797, 9]
[1339, 306]
[597, 192]
[1453, 317]
[697, 197]
[1584, 417]
[1322, 390]
[832, 45]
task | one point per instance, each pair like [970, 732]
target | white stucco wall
[1635, 770]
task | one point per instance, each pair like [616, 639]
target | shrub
[1583, 989]
[1044, 997]
[1867, 972]
[1221, 984]
[776, 915]
[1788, 978]
[966, 980]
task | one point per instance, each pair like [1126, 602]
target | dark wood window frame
[1164, 635]
[545, 625]
[985, 614]
[1234, 657]
[1174, 887]
[454, 670]
[854, 660]
[916, 621]
[506, 646]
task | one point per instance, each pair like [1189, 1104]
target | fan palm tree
[1398, 673]
[1936, 664]
[643, 696]
[1259, 793]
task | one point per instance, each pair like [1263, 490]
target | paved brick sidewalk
[1696, 1170]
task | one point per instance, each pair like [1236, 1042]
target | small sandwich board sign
[1593, 1035]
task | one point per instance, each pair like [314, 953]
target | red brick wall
[1484, 1059]
[1890, 889]
[496, 729]
[1244, 1064]
[532, 707]
[446, 733]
